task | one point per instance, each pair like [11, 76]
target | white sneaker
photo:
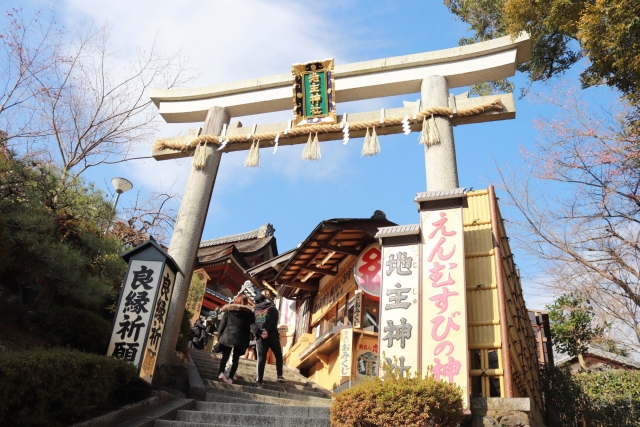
[229, 381]
[223, 378]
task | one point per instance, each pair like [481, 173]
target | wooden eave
[345, 237]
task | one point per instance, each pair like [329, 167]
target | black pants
[226, 352]
[262, 348]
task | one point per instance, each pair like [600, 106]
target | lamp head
[121, 185]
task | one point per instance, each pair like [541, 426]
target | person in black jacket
[234, 334]
[265, 329]
[198, 335]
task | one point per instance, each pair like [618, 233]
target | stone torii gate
[430, 73]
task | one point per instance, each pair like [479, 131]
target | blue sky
[237, 39]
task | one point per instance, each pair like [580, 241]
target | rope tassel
[200, 157]
[429, 134]
[253, 158]
[371, 145]
[312, 149]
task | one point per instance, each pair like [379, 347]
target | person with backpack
[234, 334]
[198, 335]
[265, 329]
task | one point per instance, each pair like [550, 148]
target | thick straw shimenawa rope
[163, 144]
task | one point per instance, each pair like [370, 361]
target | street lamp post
[121, 185]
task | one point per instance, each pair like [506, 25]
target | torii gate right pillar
[440, 159]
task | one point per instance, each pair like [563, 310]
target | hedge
[76, 328]
[57, 387]
[599, 399]
[399, 402]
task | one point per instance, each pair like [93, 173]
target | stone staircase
[294, 403]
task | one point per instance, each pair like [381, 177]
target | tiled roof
[264, 231]
[439, 195]
[398, 230]
[218, 295]
[603, 354]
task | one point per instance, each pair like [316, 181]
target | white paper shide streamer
[406, 128]
[345, 133]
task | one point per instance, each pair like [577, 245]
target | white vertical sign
[444, 308]
[135, 310]
[157, 325]
[346, 352]
[399, 308]
[357, 310]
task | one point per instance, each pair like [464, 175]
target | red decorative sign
[368, 270]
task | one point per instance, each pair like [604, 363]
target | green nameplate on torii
[313, 93]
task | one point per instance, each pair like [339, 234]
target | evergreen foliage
[54, 388]
[607, 32]
[605, 398]
[55, 233]
[398, 401]
[75, 328]
[573, 325]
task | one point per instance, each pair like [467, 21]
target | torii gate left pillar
[188, 229]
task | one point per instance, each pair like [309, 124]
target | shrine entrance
[427, 313]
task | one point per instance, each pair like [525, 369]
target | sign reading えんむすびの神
[142, 308]
[444, 319]
[399, 307]
[313, 92]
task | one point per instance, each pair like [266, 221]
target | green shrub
[182, 345]
[57, 387]
[398, 401]
[601, 398]
[79, 329]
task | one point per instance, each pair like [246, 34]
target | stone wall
[498, 412]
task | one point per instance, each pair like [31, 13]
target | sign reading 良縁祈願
[313, 93]
[142, 308]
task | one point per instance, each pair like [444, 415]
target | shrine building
[324, 305]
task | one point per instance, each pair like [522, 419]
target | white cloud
[224, 41]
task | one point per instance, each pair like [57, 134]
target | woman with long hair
[234, 334]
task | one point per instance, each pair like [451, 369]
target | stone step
[280, 392]
[250, 381]
[291, 377]
[250, 419]
[233, 396]
[310, 391]
[264, 409]
[247, 369]
[242, 363]
[202, 356]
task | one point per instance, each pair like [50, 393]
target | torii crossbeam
[430, 73]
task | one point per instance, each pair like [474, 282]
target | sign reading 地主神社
[313, 93]
[399, 307]
[142, 308]
[444, 308]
